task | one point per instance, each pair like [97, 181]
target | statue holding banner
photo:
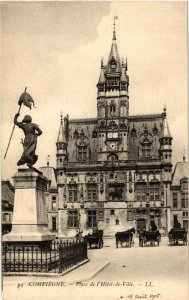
[31, 132]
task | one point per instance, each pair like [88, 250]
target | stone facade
[51, 197]
[114, 170]
[7, 202]
[179, 195]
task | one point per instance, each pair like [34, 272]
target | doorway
[141, 224]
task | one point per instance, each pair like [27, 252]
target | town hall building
[114, 170]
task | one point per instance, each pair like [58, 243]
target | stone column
[62, 223]
[29, 223]
[168, 219]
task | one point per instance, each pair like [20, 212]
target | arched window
[123, 111]
[184, 184]
[112, 109]
[112, 157]
[102, 112]
[117, 221]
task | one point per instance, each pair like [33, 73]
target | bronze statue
[31, 132]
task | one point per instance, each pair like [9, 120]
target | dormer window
[82, 153]
[184, 184]
[113, 64]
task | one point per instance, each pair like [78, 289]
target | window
[175, 200]
[117, 221]
[122, 111]
[185, 185]
[140, 192]
[6, 217]
[141, 195]
[154, 192]
[112, 109]
[53, 203]
[73, 219]
[185, 214]
[91, 218]
[184, 200]
[146, 150]
[82, 153]
[92, 192]
[112, 135]
[53, 223]
[101, 215]
[130, 215]
[72, 191]
[112, 212]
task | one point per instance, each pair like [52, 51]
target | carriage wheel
[140, 243]
[100, 244]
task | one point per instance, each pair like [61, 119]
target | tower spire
[61, 131]
[61, 120]
[114, 29]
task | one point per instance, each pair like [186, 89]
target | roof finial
[164, 111]
[114, 31]
[184, 155]
[102, 62]
[61, 120]
[126, 64]
[48, 158]
[165, 107]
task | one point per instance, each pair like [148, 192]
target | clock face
[113, 146]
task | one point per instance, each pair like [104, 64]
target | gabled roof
[7, 191]
[180, 171]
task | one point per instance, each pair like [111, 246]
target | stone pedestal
[29, 223]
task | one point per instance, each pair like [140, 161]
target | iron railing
[60, 256]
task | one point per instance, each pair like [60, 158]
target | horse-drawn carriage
[151, 237]
[96, 238]
[176, 235]
[125, 237]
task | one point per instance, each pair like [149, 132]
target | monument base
[29, 224]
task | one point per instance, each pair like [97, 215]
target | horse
[125, 237]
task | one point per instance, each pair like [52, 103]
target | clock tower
[113, 107]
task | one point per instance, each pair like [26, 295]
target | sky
[55, 49]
